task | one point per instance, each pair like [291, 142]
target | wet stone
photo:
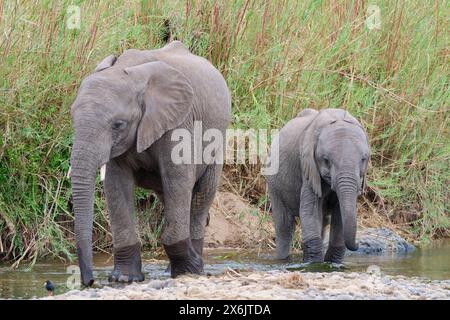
[381, 240]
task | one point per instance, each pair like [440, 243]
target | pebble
[193, 291]
[157, 284]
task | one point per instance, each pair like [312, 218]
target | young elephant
[322, 166]
[124, 116]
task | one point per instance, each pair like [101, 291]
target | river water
[431, 262]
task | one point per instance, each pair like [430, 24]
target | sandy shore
[275, 285]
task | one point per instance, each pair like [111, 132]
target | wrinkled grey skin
[124, 115]
[322, 166]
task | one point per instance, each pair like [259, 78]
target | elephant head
[122, 105]
[335, 150]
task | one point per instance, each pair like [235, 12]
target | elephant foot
[283, 249]
[198, 247]
[335, 254]
[312, 250]
[283, 256]
[127, 265]
[183, 258]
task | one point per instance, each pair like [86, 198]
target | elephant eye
[119, 125]
[326, 161]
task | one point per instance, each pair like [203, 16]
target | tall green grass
[278, 57]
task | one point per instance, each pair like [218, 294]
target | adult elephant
[124, 116]
[322, 166]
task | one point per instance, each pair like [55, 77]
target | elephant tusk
[69, 173]
[102, 172]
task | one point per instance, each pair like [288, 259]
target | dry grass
[293, 280]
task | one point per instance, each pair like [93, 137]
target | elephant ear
[106, 63]
[310, 172]
[347, 117]
[363, 180]
[167, 98]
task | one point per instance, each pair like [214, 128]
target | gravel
[274, 285]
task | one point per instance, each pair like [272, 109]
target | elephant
[323, 158]
[124, 116]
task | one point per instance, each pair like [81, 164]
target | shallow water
[430, 262]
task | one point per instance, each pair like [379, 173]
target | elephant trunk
[84, 164]
[347, 192]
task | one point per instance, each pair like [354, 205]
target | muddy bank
[270, 285]
[233, 222]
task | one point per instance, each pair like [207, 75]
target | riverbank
[425, 263]
[233, 284]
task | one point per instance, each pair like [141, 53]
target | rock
[157, 284]
[373, 269]
[415, 291]
[170, 283]
[376, 241]
[380, 241]
[193, 291]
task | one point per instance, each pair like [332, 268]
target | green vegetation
[278, 57]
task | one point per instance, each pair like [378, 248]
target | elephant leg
[119, 191]
[202, 199]
[284, 227]
[178, 183]
[311, 218]
[336, 247]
